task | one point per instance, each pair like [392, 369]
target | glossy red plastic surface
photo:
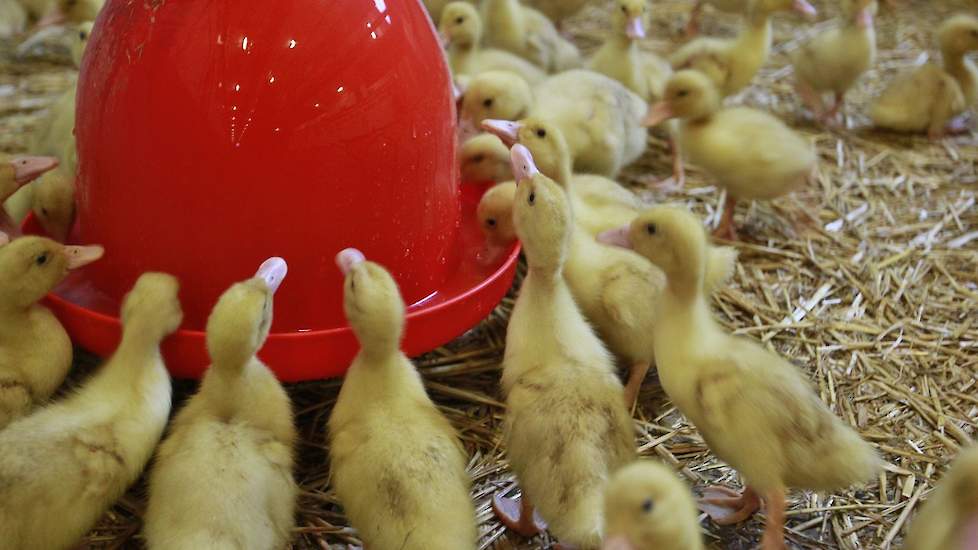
[213, 135]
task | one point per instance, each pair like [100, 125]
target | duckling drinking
[237, 427]
[64, 466]
[949, 518]
[398, 467]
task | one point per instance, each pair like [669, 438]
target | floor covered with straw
[872, 293]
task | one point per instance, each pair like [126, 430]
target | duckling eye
[532, 199]
[44, 211]
[83, 35]
[647, 505]
[541, 133]
[624, 9]
[42, 259]
[487, 102]
[491, 222]
[682, 93]
[479, 158]
[460, 20]
[650, 229]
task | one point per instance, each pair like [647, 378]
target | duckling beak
[804, 8]
[80, 256]
[273, 272]
[28, 169]
[54, 17]
[349, 258]
[617, 237]
[865, 18]
[505, 130]
[619, 542]
[4, 238]
[658, 113]
[522, 163]
[635, 29]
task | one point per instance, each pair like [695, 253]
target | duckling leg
[811, 99]
[727, 507]
[693, 26]
[726, 229]
[635, 379]
[830, 116]
[519, 516]
[773, 538]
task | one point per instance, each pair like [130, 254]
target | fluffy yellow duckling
[495, 95]
[732, 63]
[754, 409]
[749, 152]
[397, 464]
[35, 352]
[620, 57]
[949, 518]
[73, 459]
[929, 97]
[237, 427]
[648, 507]
[461, 31]
[834, 60]
[513, 27]
[566, 428]
[16, 172]
[54, 204]
[495, 215]
[484, 158]
[728, 6]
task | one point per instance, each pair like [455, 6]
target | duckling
[398, 466]
[484, 158]
[566, 428]
[751, 153]
[436, 7]
[74, 458]
[495, 95]
[461, 31]
[949, 518]
[754, 409]
[54, 204]
[834, 60]
[733, 62]
[238, 426]
[16, 172]
[513, 27]
[495, 215]
[35, 352]
[929, 97]
[728, 6]
[620, 57]
[646, 507]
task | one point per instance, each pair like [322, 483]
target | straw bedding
[869, 282]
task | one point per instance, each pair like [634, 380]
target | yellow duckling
[35, 352]
[733, 62]
[728, 6]
[648, 507]
[72, 460]
[495, 95]
[54, 204]
[620, 57]
[16, 172]
[754, 409]
[566, 429]
[750, 153]
[397, 464]
[436, 7]
[495, 215]
[237, 427]
[929, 97]
[484, 158]
[513, 27]
[949, 518]
[461, 31]
[834, 60]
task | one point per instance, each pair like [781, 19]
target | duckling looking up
[397, 464]
[54, 204]
[15, 172]
[754, 409]
[647, 507]
[949, 518]
[620, 57]
[834, 60]
[35, 352]
[566, 428]
[238, 426]
[528, 33]
[728, 6]
[751, 153]
[928, 98]
[461, 31]
[73, 459]
[732, 63]
[484, 158]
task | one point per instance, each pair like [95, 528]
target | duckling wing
[912, 100]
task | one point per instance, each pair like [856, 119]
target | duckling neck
[964, 71]
[504, 22]
[756, 36]
[459, 55]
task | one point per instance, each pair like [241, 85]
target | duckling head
[484, 158]
[54, 204]
[959, 34]
[641, 504]
[80, 41]
[543, 139]
[630, 17]
[689, 95]
[152, 309]
[373, 304]
[32, 266]
[766, 7]
[18, 171]
[495, 214]
[240, 322]
[669, 237]
[501, 95]
[460, 25]
[541, 214]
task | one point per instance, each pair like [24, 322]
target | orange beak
[658, 113]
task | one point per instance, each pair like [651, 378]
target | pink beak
[445, 40]
[619, 542]
[617, 237]
[865, 18]
[349, 258]
[4, 238]
[522, 163]
[658, 113]
[273, 272]
[80, 256]
[635, 28]
[804, 8]
[505, 130]
[28, 169]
